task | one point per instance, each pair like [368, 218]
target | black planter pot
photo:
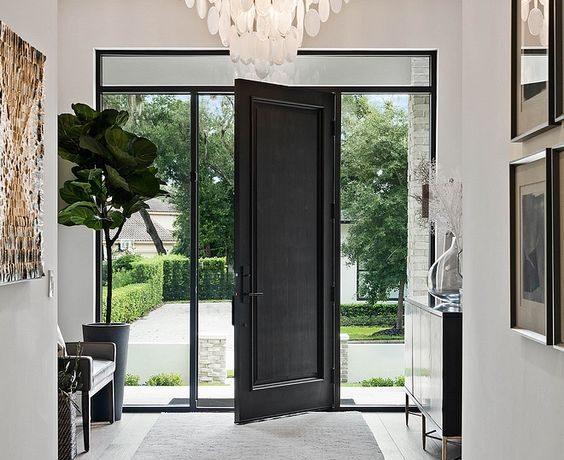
[117, 333]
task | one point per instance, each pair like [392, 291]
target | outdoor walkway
[169, 324]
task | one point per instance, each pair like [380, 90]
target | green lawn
[369, 333]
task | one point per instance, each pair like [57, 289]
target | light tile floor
[396, 440]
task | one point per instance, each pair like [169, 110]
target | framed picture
[558, 54]
[532, 67]
[531, 243]
[557, 168]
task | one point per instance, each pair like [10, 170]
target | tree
[166, 120]
[374, 195]
[114, 175]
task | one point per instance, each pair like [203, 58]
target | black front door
[284, 309]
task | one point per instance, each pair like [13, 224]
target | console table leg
[444, 450]
[424, 431]
[406, 409]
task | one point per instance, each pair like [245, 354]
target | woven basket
[67, 428]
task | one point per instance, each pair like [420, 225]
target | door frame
[202, 90]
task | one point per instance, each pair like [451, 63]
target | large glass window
[386, 132]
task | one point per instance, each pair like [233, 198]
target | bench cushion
[101, 370]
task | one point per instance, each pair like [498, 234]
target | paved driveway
[170, 324]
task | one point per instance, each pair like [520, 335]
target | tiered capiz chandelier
[264, 32]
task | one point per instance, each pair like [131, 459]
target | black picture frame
[517, 134]
[546, 338]
[557, 192]
[558, 56]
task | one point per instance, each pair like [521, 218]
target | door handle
[233, 310]
[255, 294]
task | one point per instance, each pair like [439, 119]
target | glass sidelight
[385, 246]
[161, 332]
[216, 250]
[151, 257]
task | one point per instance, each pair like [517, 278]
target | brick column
[418, 150]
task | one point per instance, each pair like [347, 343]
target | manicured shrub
[165, 380]
[123, 278]
[367, 314]
[176, 277]
[131, 302]
[138, 291]
[132, 380]
[384, 382]
[125, 262]
[215, 281]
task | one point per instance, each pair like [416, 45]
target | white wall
[83, 26]
[28, 318]
[513, 388]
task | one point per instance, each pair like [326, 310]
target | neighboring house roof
[161, 205]
[135, 230]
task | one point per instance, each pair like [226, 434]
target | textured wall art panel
[21, 158]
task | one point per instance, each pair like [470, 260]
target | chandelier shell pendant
[264, 33]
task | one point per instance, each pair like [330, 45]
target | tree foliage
[374, 193]
[166, 120]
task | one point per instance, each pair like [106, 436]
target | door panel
[284, 233]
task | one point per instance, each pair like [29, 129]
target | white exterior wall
[165, 220]
[348, 272]
[28, 317]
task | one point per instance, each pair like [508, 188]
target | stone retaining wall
[212, 350]
[344, 358]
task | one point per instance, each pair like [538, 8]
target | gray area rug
[311, 436]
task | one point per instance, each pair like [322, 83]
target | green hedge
[132, 301]
[384, 382]
[165, 380]
[149, 282]
[367, 314]
[176, 278]
[215, 281]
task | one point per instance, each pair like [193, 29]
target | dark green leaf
[92, 145]
[116, 219]
[116, 179]
[144, 183]
[79, 213]
[84, 112]
[117, 137]
[73, 191]
[66, 155]
[121, 118]
[118, 141]
[133, 206]
[144, 151]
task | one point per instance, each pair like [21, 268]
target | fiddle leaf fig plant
[113, 173]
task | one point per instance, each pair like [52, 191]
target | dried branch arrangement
[442, 195]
